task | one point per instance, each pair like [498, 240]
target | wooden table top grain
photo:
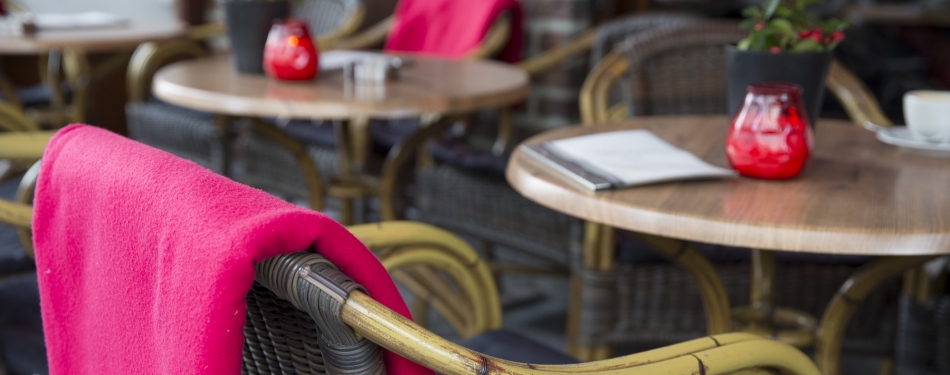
[104, 39]
[855, 196]
[426, 85]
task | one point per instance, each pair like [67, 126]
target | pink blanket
[452, 28]
[144, 258]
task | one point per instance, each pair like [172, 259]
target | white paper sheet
[93, 19]
[634, 157]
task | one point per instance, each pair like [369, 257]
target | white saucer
[901, 137]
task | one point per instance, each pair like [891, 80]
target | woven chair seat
[186, 133]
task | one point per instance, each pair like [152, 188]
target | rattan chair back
[330, 19]
[670, 69]
[294, 325]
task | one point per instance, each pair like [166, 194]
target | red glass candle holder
[770, 137]
[290, 53]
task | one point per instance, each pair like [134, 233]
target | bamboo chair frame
[853, 94]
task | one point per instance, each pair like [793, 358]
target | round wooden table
[425, 86]
[856, 196]
[72, 46]
[104, 39]
[432, 88]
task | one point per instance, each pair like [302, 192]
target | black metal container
[805, 69]
[248, 25]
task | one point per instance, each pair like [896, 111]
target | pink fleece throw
[452, 28]
[144, 258]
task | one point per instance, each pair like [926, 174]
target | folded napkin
[452, 28]
[144, 259]
[84, 20]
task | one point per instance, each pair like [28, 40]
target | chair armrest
[399, 158]
[148, 57]
[411, 251]
[207, 31]
[370, 38]
[854, 96]
[557, 55]
[15, 214]
[719, 354]
[24, 145]
[13, 119]
[495, 38]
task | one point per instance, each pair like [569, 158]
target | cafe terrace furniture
[857, 196]
[305, 316]
[199, 136]
[426, 86]
[66, 50]
[466, 192]
[637, 79]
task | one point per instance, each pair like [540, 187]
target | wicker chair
[291, 294]
[199, 136]
[678, 70]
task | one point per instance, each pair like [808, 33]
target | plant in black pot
[786, 44]
[249, 21]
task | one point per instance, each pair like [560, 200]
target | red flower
[759, 26]
[837, 36]
[775, 49]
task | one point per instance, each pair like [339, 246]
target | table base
[761, 317]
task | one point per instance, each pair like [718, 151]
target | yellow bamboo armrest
[559, 54]
[15, 214]
[495, 38]
[148, 57]
[13, 119]
[721, 354]
[27, 146]
[369, 38]
[207, 31]
[854, 96]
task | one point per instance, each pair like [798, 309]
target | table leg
[835, 320]
[598, 256]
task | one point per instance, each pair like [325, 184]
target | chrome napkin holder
[373, 70]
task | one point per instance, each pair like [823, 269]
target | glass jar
[290, 53]
[770, 137]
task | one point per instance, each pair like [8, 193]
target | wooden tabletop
[426, 85]
[856, 195]
[92, 39]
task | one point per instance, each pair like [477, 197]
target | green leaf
[807, 45]
[748, 24]
[744, 44]
[770, 6]
[751, 12]
[782, 26]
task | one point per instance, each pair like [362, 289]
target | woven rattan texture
[635, 303]
[185, 133]
[324, 16]
[678, 69]
[271, 167]
[295, 327]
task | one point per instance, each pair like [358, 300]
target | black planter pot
[248, 25]
[805, 69]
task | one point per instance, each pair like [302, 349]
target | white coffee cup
[927, 113]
